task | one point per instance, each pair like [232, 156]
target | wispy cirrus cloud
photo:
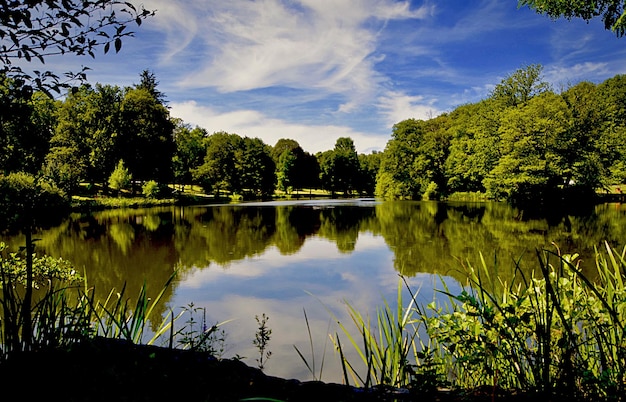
[318, 45]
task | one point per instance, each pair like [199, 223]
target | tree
[150, 83]
[413, 159]
[339, 168]
[535, 142]
[368, 169]
[256, 168]
[121, 178]
[613, 12]
[474, 146]
[146, 136]
[36, 29]
[27, 122]
[612, 137]
[189, 153]
[219, 170]
[519, 87]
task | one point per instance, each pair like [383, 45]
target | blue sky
[316, 70]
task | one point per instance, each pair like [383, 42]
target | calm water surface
[284, 258]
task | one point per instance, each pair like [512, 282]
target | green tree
[282, 145]
[339, 168]
[612, 140]
[534, 144]
[588, 161]
[256, 168]
[414, 158]
[149, 82]
[88, 125]
[146, 136]
[369, 165]
[285, 171]
[121, 177]
[190, 151]
[474, 146]
[520, 86]
[26, 126]
[219, 171]
[295, 168]
[612, 11]
[75, 125]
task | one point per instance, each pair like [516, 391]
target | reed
[555, 332]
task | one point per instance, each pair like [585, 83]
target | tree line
[524, 142]
[113, 136]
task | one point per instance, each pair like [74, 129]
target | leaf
[106, 47]
[118, 45]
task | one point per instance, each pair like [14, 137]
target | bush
[151, 189]
[121, 178]
[26, 200]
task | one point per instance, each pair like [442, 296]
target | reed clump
[555, 333]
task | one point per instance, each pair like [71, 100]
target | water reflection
[280, 258]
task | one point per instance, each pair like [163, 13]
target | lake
[283, 259]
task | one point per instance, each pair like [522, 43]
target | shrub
[151, 189]
[121, 178]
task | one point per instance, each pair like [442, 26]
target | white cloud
[251, 123]
[398, 106]
[318, 45]
[583, 71]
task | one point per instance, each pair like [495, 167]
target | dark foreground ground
[106, 370]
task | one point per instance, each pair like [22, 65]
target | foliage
[121, 177]
[339, 167]
[27, 121]
[387, 346]
[558, 334]
[146, 135]
[413, 158]
[612, 11]
[261, 340]
[189, 152]
[151, 189]
[45, 268]
[522, 85]
[26, 200]
[203, 339]
[38, 29]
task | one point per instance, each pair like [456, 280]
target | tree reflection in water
[247, 259]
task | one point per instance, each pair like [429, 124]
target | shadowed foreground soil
[113, 370]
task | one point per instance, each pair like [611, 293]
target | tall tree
[27, 122]
[613, 12]
[534, 142]
[190, 151]
[414, 159]
[474, 146]
[519, 87]
[146, 136]
[149, 83]
[339, 168]
[219, 171]
[368, 169]
[256, 168]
